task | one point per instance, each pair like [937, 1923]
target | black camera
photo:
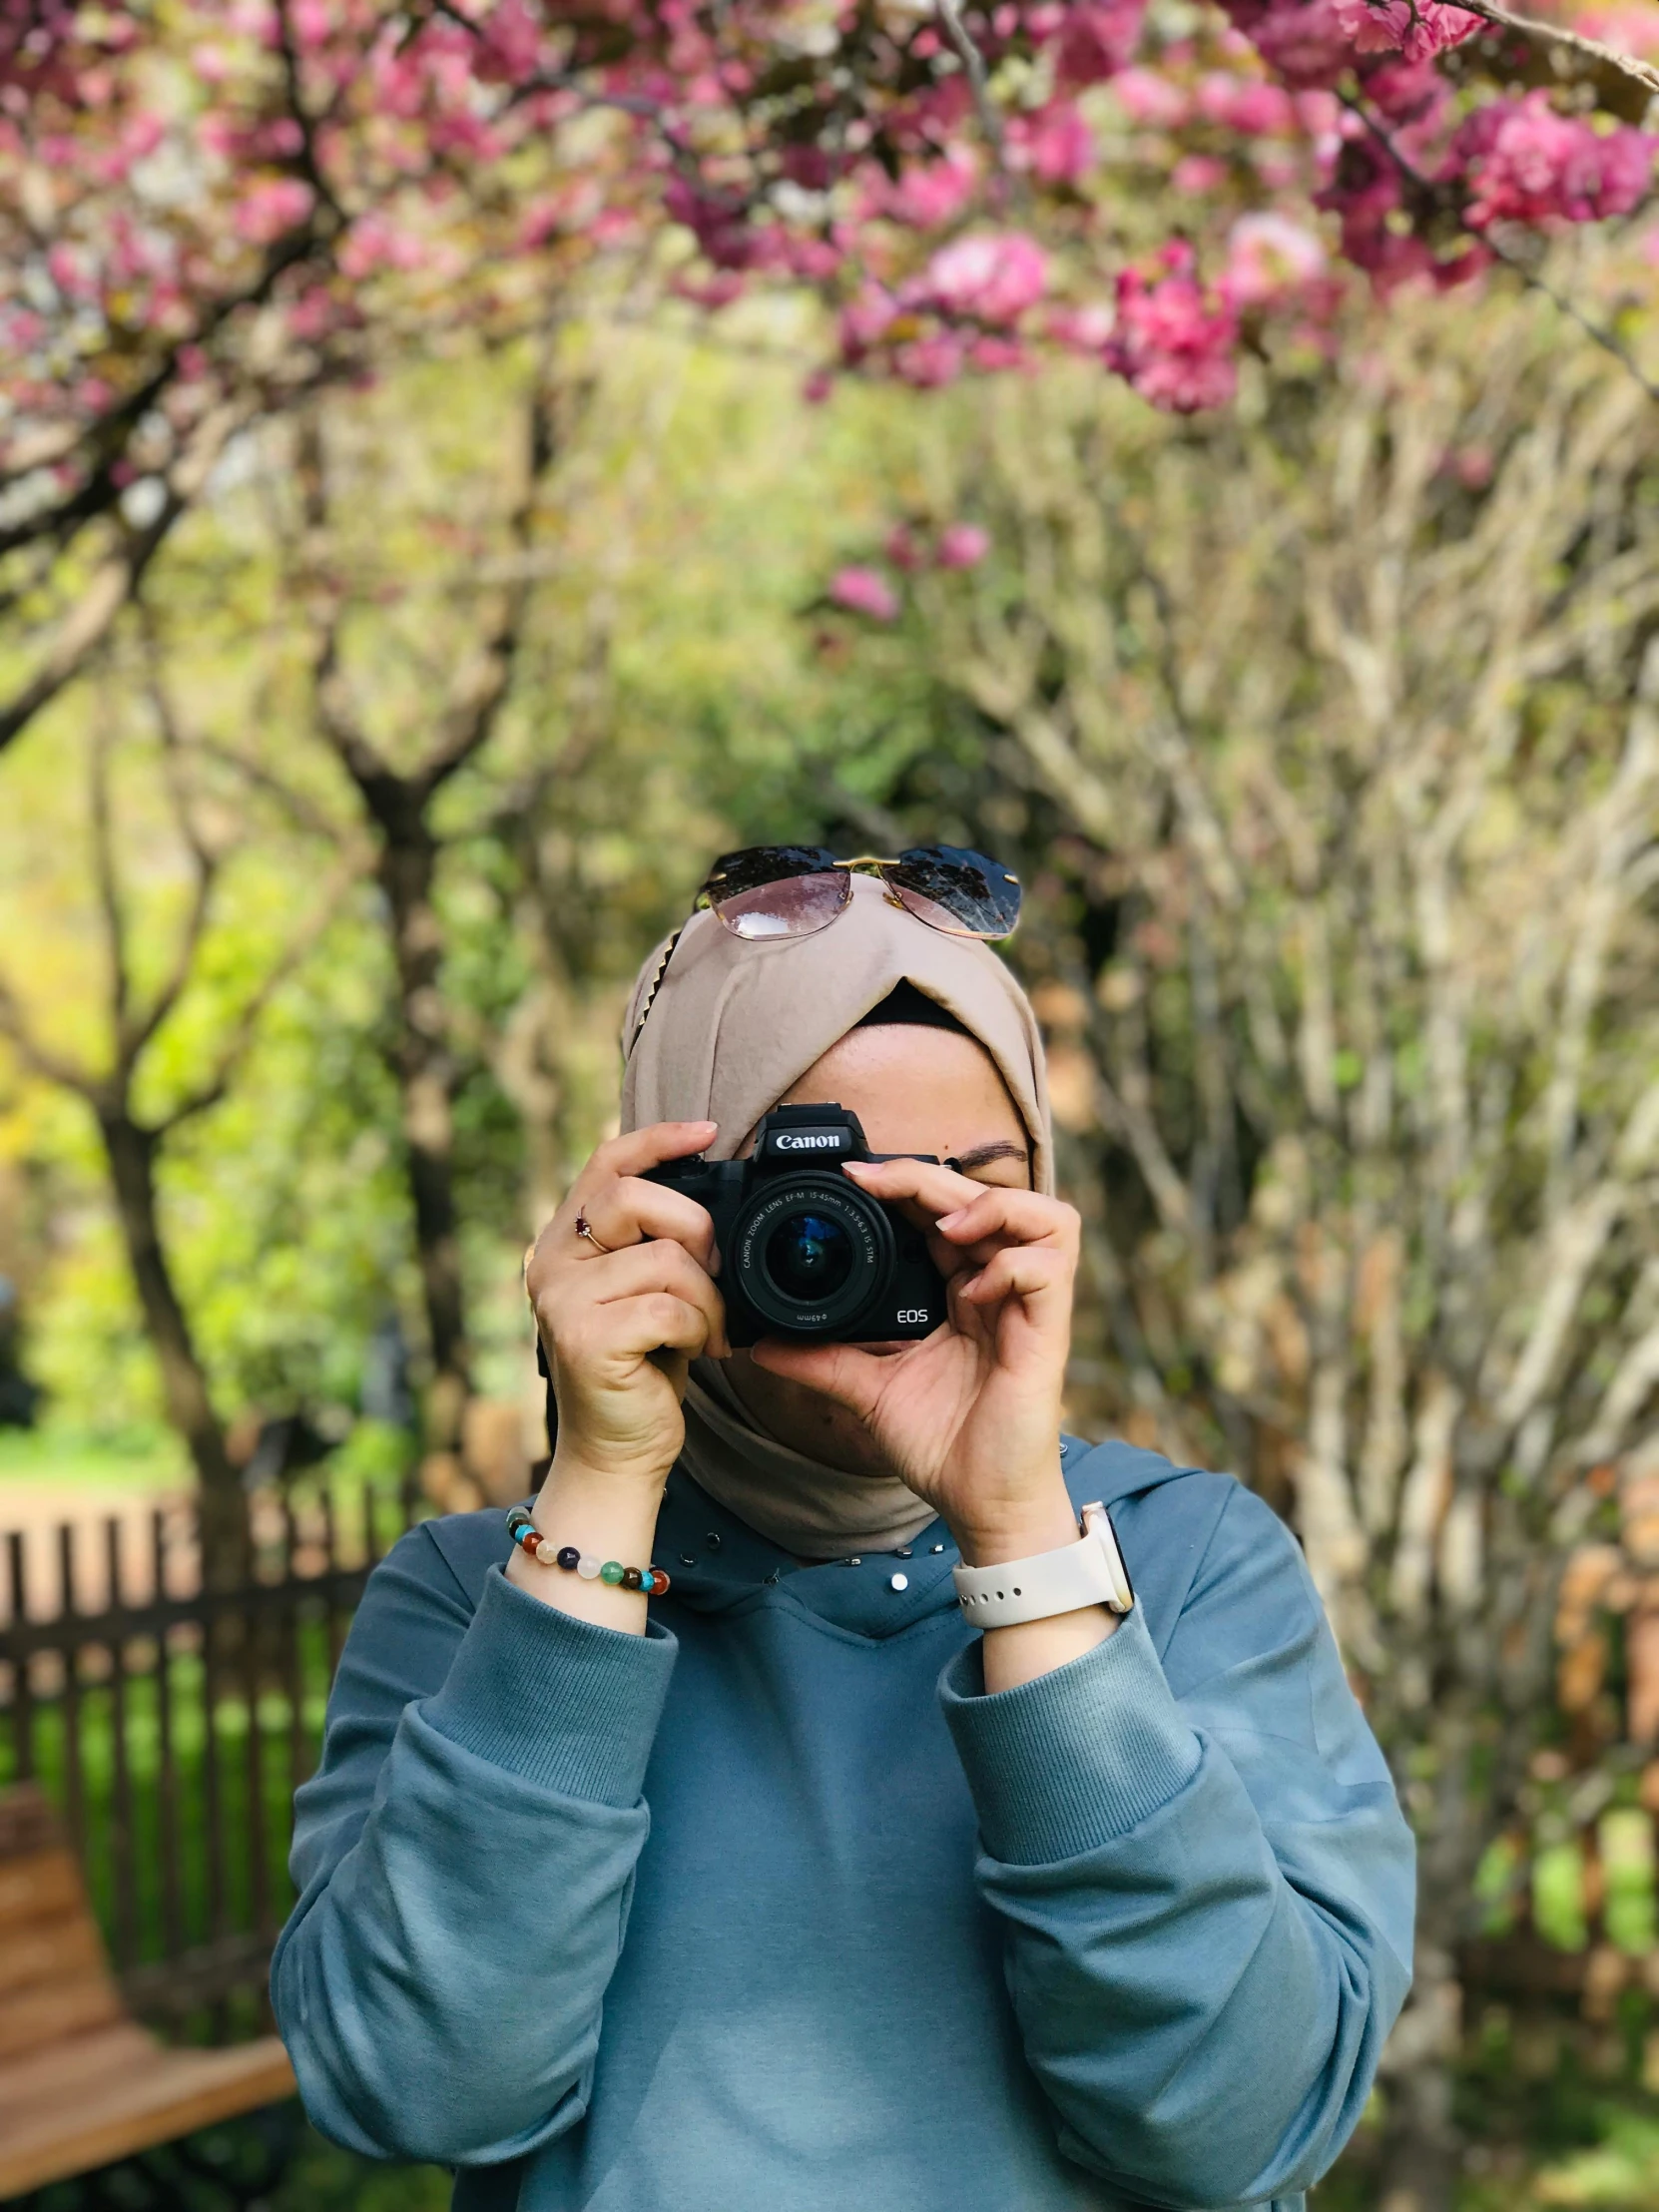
[804, 1252]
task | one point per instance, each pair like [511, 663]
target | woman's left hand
[969, 1417]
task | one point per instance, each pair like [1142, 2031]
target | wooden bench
[81, 2084]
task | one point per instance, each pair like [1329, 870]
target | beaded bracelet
[650, 1580]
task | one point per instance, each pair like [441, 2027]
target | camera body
[804, 1251]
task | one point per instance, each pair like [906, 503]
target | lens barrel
[812, 1253]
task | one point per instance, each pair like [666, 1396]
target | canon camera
[804, 1251]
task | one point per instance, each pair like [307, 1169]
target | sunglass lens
[778, 890]
[746, 870]
[956, 890]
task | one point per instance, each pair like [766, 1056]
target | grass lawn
[74, 1462]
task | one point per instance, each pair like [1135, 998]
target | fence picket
[74, 1784]
[167, 1796]
[22, 1700]
[125, 1705]
[123, 1909]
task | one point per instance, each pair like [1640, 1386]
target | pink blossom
[1197, 174]
[312, 20]
[1246, 104]
[375, 242]
[71, 271]
[1628, 29]
[270, 207]
[1471, 465]
[992, 276]
[901, 547]
[1413, 93]
[1419, 29]
[313, 314]
[1526, 164]
[866, 320]
[1302, 40]
[962, 545]
[1269, 258]
[1055, 143]
[992, 353]
[930, 361]
[1084, 330]
[864, 590]
[930, 194]
[1097, 41]
[1173, 343]
[1146, 97]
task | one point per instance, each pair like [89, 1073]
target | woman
[790, 1888]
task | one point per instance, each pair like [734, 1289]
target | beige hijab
[733, 1025]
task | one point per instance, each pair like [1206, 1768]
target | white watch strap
[1088, 1572]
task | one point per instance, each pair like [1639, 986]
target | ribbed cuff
[1077, 1758]
[566, 1704]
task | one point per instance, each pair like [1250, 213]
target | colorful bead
[523, 1533]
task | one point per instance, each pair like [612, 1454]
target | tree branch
[974, 65]
[107, 884]
[35, 1055]
[1556, 34]
[88, 622]
[1596, 332]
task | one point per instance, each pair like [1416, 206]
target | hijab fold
[736, 1022]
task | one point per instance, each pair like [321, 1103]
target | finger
[852, 1378]
[629, 1210]
[937, 1190]
[565, 1307]
[653, 1322]
[660, 1266]
[1027, 1271]
[995, 1215]
[619, 1157]
[639, 1149]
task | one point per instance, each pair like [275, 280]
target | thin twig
[974, 64]
[1556, 34]
[1596, 332]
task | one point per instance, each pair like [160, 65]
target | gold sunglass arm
[857, 859]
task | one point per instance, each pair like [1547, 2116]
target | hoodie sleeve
[1204, 1879]
[464, 1858]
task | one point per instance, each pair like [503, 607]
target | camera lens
[809, 1257]
[808, 1253]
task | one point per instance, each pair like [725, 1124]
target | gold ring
[583, 1230]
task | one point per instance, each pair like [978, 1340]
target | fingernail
[949, 1221]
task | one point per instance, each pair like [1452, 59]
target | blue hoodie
[773, 1910]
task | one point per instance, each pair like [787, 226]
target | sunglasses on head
[768, 892]
[792, 890]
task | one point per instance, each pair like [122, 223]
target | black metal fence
[171, 1713]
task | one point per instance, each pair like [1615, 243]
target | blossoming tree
[209, 209]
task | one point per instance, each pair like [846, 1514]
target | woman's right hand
[622, 1317]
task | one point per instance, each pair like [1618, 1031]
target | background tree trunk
[131, 1153]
